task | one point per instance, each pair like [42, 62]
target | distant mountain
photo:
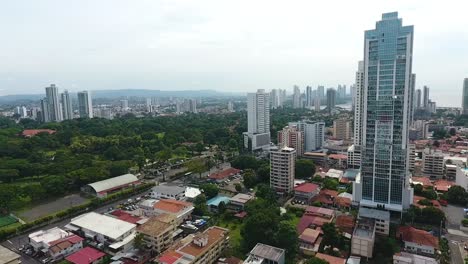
[112, 94]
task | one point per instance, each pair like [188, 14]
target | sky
[220, 45]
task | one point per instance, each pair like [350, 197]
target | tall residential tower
[465, 97]
[85, 104]
[258, 120]
[384, 177]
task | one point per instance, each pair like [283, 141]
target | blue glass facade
[387, 110]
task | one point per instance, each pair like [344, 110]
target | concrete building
[317, 103]
[292, 137]
[67, 109]
[418, 241]
[124, 105]
[8, 257]
[465, 97]
[237, 202]
[331, 99]
[297, 97]
[306, 191]
[158, 232]
[85, 104]
[115, 233]
[181, 210]
[53, 101]
[362, 241]
[265, 254]
[359, 105]
[258, 121]
[342, 129]
[354, 157]
[64, 247]
[384, 177]
[461, 177]
[283, 162]
[313, 133]
[202, 248]
[412, 157]
[408, 258]
[149, 106]
[425, 102]
[382, 219]
[167, 192]
[275, 99]
[41, 239]
[111, 185]
[433, 163]
[418, 99]
[309, 102]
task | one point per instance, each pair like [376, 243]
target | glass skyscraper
[384, 178]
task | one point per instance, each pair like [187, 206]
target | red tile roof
[337, 156]
[224, 174]
[322, 198]
[241, 214]
[411, 234]
[172, 206]
[310, 220]
[169, 257]
[443, 185]
[33, 132]
[330, 259]
[416, 200]
[426, 182]
[331, 193]
[319, 211]
[124, 216]
[306, 187]
[85, 256]
[343, 202]
[73, 239]
[309, 235]
[345, 223]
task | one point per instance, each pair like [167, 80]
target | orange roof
[328, 192]
[416, 200]
[33, 132]
[411, 234]
[214, 235]
[426, 182]
[337, 156]
[310, 235]
[443, 185]
[343, 201]
[172, 206]
[345, 223]
[330, 259]
[224, 174]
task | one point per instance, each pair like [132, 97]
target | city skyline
[203, 46]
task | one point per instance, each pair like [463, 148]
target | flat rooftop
[7, 256]
[111, 227]
[267, 252]
[374, 214]
[49, 235]
[214, 235]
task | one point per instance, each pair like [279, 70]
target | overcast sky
[221, 45]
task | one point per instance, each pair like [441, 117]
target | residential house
[418, 241]
[265, 254]
[238, 202]
[306, 191]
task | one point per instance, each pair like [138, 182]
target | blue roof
[217, 200]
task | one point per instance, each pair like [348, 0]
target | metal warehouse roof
[113, 182]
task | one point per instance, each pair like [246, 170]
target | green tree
[330, 183]
[138, 241]
[263, 173]
[210, 190]
[452, 131]
[266, 192]
[330, 236]
[250, 179]
[200, 207]
[197, 166]
[238, 187]
[287, 237]
[315, 260]
[245, 162]
[304, 168]
[457, 195]
[221, 208]
[8, 175]
[54, 184]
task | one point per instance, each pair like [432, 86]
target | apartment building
[265, 254]
[342, 129]
[157, 232]
[291, 137]
[362, 242]
[433, 163]
[283, 162]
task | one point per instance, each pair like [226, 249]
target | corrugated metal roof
[113, 182]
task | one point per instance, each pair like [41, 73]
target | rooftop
[47, 236]
[7, 256]
[309, 235]
[85, 256]
[215, 201]
[424, 181]
[112, 183]
[64, 243]
[33, 132]
[310, 220]
[192, 192]
[443, 185]
[103, 224]
[154, 226]
[267, 252]
[411, 234]
[241, 198]
[213, 234]
[330, 259]
[374, 214]
[306, 187]
[319, 210]
[345, 221]
[166, 189]
[172, 206]
[124, 216]
[224, 174]
[405, 257]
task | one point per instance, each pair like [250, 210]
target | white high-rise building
[230, 107]
[282, 172]
[192, 106]
[321, 91]
[384, 178]
[45, 113]
[309, 97]
[124, 104]
[313, 133]
[85, 104]
[425, 97]
[292, 137]
[148, 105]
[297, 97]
[275, 98]
[67, 110]
[317, 103]
[465, 97]
[53, 100]
[358, 104]
[258, 120]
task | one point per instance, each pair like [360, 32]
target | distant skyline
[219, 45]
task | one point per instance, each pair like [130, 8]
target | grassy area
[234, 226]
[7, 220]
[160, 135]
[10, 226]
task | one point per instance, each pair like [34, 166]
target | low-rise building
[319, 158]
[238, 202]
[335, 174]
[223, 175]
[345, 223]
[87, 255]
[198, 249]
[8, 257]
[408, 258]
[180, 209]
[433, 163]
[213, 203]
[362, 242]
[306, 191]
[418, 241]
[114, 233]
[265, 254]
[461, 177]
[330, 259]
[382, 219]
[191, 193]
[157, 232]
[61, 248]
[111, 185]
[309, 241]
[167, 192]
[41, 239]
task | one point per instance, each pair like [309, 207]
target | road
[455, 241]
[15, 242]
